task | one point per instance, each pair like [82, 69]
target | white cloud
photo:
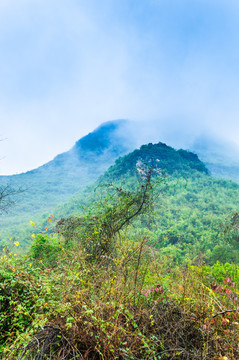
[68, 66]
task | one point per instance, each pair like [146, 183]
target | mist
[169, 67]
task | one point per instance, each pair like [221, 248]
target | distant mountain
[167, 159]
[67, 173]
[105, 144]
[220, 156]
[171, 162]
[190, 205]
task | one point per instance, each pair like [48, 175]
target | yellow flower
[33, 236]
[30, 264]
[16, 243]
[32, 223]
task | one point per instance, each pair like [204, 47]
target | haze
[67, 66]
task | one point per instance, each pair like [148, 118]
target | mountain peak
[167, 159]
[108, 135]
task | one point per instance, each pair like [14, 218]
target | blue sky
[67, 66]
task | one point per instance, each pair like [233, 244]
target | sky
[67, 66]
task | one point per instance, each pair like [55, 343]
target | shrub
[46, 248]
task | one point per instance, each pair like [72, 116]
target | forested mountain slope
[53, 183]
[98, 282]
[190, 210]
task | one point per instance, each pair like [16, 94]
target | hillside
[220, 155]
[47, 186]
[125, 277]
[191, 206]
[53, 183]
[161, 155]
[189, 211]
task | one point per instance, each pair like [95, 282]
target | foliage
[169, 160]
[231, 232]
[132, 308]
[113, 212]
[57, 180]
[188, 213]
[46, 248]
[135, 303]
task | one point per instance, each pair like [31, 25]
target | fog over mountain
[219, 154]
[68, 67]
[70, 172]
[94, 152]
[52, 183]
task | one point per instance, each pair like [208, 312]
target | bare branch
[6, 197]
[226, 311]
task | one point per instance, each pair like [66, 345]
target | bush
[113, 212]
[46, 248]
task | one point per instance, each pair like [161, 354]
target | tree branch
[226, 311]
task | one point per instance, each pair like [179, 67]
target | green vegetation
[53, 183]
[190, 209]
[96, 289]
[140, 265]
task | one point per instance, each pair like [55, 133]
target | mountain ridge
[68, 173]
[117, 137]
[52, 183]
